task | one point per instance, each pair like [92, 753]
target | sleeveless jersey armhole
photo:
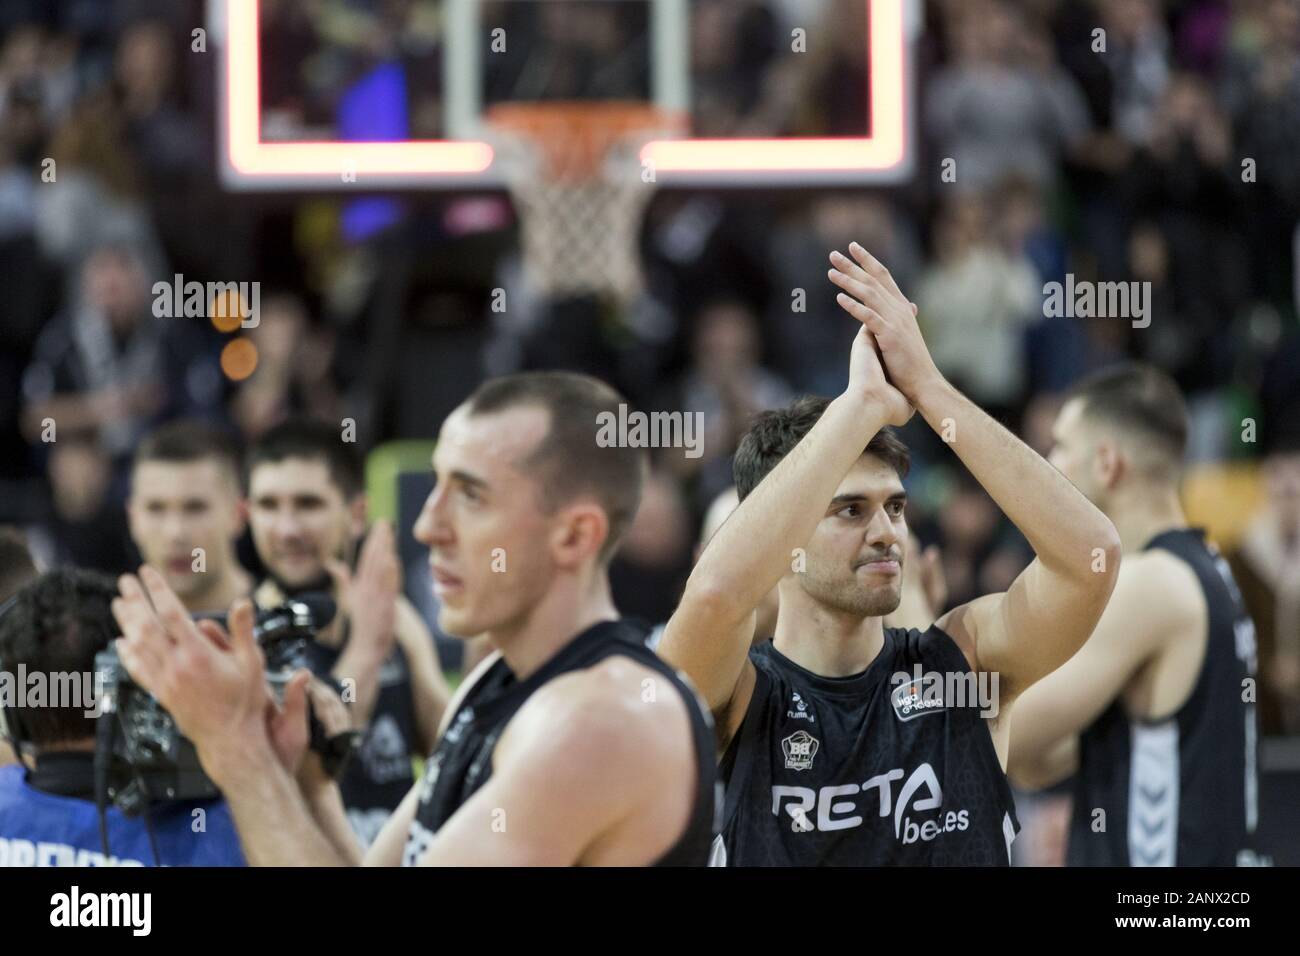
[740, 752]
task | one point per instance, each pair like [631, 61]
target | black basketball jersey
[462, 762]
[895, 765]
[380, 773]
[1181, 791]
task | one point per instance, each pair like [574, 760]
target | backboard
[415, 118]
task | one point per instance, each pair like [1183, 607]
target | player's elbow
[1106, 555]
[1098, 570]
[1037, 765]
[711, 602]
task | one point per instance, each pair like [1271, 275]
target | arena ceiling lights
[467, 160]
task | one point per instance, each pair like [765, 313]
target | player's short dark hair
[774, 433]
[1138, 400]
[568, 461]
[16, 564]
[315, 441]
[184, 442]
[57, 624]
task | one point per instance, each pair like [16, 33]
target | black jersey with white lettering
[893, 766]
[1180, 791]
[379, 774]
[462, 762]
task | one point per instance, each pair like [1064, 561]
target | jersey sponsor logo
[800, 709]
[384, 755]
[917, 697]
[827, 808]
[800, 748]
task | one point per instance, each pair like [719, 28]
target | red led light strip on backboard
[469, 162]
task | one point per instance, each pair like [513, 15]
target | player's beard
[845, 593]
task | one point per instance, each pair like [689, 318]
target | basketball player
[848, 742]
[572, 743]
[186, 511]
[1154, 714]
[307, 509]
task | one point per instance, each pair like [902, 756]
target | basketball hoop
[574, 171]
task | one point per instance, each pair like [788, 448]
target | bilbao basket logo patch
[800, 748]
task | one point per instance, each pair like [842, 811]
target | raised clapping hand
[867, 381]
[212, 682]
[873, 298]
[369, 597]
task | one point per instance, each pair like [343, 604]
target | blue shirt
[47, 829]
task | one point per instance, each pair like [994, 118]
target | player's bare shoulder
[615, 736]
[1163, 588]
[617, 707]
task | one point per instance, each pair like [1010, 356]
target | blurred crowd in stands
[1164, 149]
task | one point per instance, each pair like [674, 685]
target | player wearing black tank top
[570, 744]
[1154, 714]
[307, 507]
[832, 755]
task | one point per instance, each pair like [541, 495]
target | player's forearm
[1062, 526]
[325, 804]
[754, 548]
[276, 826]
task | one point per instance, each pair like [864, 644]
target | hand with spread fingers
[873, 298]
[212, 682]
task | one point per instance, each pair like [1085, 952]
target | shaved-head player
[571, 744]
[1154, 715]
[840, 749]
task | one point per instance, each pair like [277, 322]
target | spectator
[727, 384]
[293, 377]
[976, 301]
[84, 524]
[109, 366]
[996, 113]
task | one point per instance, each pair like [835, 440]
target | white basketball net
[579, 233]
